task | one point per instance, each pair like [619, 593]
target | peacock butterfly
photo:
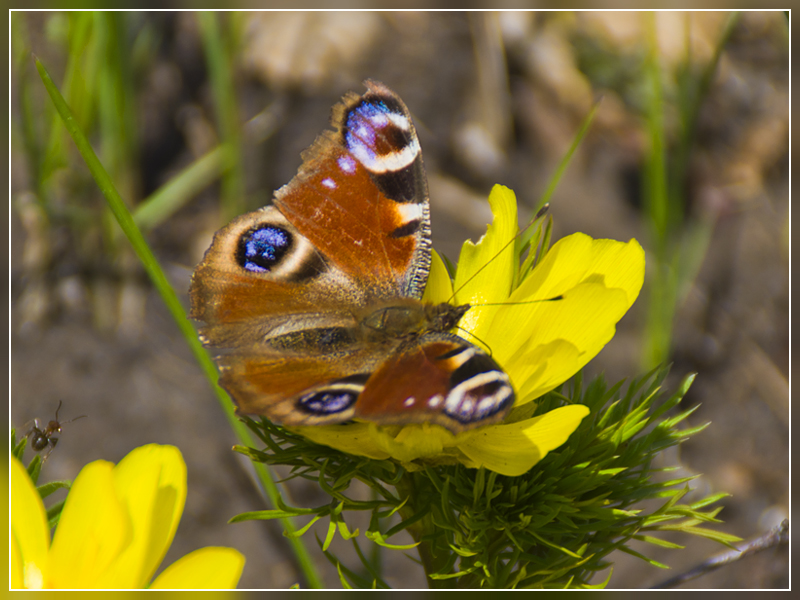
[314, 303]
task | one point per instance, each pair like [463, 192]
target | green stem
[434, 556]
[170, 298]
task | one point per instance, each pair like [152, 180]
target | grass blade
[170, 298]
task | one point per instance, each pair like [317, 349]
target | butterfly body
[315, 302]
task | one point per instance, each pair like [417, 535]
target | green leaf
[35, 468]
[342, 578]
[18, 449]
[657, 541]
[265, 515]
[183, 187]
[380, 539]
[330, 535]
[654, 563]
[709, 500]
[48, 488]
[377, 579]
[54, 514]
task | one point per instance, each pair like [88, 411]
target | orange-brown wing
[361, 196]
[279, 290]
[443, 380]
[350, 228]
[261, 276]
[292, 389]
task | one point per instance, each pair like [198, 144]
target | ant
[40, 438]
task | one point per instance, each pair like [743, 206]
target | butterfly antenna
[518, 302]
[539, 214]
[484, 344]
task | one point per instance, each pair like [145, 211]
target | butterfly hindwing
[297, 390]
[442, 379]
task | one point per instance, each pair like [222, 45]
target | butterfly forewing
[361, 197]
[315, 301]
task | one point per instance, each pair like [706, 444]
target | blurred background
[199, 117]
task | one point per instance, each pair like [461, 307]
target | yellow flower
[115, 528]
[540, 342]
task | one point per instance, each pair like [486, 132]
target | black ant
[40, 438]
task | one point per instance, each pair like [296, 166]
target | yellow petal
[566, 311]
[424, 442]
[93, 530]
[562, 337]
[151, 483]
[578, 258]
[15, 568]
[205, 569]
[439, 288]
[486, 269]
[29, 534]
[541, 368]
[620, 264]
[583, 287]
[353, 438]
[417, 441]
[512, 449]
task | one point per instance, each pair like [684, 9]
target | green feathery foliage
[34, 469]
[552, 527]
